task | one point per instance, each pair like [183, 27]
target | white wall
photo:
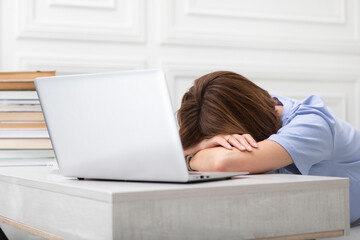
[290, 47]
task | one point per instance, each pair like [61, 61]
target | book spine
[26, 75]
[21, 116]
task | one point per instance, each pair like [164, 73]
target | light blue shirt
[320, 144]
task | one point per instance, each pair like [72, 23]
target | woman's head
[226, 103]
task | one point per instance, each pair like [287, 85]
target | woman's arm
[268, 156]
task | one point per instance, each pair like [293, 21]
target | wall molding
[174, 32]
[130, 30]
[265, 70]
[105, 4]
[338, 18]
[65, 65]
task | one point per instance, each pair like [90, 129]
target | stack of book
[23, 132]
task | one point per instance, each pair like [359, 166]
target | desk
[248, 207]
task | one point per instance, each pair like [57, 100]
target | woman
[227, 123]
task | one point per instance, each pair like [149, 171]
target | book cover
[21, 80]
[20, 133]
[20, 108]
[17, 95]
[11, 85]
[19, 102]
[23, 143]
[19, 125]
[26, 154]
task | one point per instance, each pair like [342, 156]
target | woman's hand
[244, 142]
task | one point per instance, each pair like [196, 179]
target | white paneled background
[290, 47]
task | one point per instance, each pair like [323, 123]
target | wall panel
[302, 25]
[121, 21]
[294, 47]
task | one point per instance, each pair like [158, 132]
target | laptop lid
[113, 126]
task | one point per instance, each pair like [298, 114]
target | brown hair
[226, 103]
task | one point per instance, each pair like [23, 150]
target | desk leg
[2, 235]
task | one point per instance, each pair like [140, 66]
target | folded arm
[268, 156]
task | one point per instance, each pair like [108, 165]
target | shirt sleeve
[308, 139]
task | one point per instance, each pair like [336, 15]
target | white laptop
[118, 126]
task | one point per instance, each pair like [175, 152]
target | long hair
[226, 103]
